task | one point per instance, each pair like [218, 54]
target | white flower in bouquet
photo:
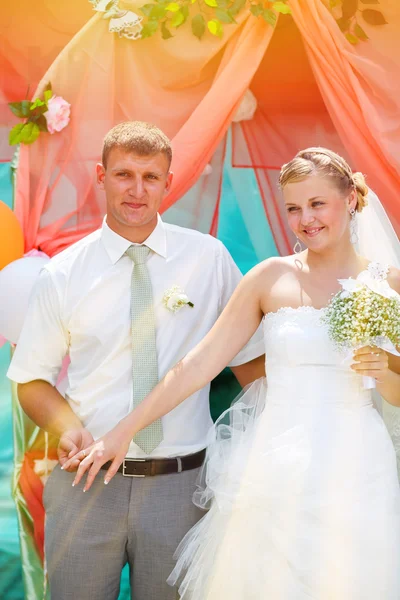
[365, 313]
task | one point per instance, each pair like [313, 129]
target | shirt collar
[116, 245]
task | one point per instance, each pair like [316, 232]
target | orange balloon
[11, 236]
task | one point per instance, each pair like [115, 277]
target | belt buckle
[132, 460]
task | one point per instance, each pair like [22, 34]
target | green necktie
[144, 353]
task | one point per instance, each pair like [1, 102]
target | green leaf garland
[352, 11]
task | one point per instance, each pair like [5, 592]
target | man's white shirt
[81, 307]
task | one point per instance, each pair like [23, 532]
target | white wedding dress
[301, 481]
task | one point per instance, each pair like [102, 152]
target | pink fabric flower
[57, 116]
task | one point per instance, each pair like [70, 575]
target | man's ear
[100, 175]
[168, 183]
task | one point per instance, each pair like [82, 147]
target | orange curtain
[291, 115]
[180, 84]
[361, 88]
[191, 89]
[32, 34]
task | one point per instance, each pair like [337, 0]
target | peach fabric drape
[191, 90]
[314, 88]
[361, 89]
[181, 85]
[32, 34]
[291, 115]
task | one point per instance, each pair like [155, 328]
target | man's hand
[111, 447]
[71, 442]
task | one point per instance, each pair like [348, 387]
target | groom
[110, 302]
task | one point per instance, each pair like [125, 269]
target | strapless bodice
[303, 364]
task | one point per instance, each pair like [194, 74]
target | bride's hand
[111, 447]
[371, 362]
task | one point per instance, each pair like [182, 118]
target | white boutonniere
[175, 298]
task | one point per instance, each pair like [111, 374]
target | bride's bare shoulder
[394, 278]
[271, 269]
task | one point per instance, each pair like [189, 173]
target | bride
[300, 476]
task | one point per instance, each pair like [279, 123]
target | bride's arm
[231, 332]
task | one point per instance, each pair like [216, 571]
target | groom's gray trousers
[90, 536]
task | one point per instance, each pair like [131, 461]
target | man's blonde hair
[139, 138]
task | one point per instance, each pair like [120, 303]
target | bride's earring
[297, 247]
[353, 227]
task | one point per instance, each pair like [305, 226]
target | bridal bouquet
[366, 312]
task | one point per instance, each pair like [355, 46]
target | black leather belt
[145, 467]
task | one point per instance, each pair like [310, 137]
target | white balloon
[16, 282]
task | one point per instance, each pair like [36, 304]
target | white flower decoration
[175, 298]
[366, 279]
[125, 23]
[247, 108]
[207, 169]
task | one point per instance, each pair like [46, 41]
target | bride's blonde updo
[321, 161]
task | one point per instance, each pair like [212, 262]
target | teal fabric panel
[5, 184]
[11, 587]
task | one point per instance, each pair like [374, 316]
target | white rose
[176, 301]
[175, 298]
